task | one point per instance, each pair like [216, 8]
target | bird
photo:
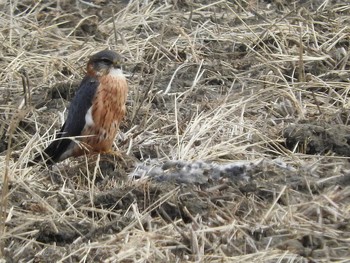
[94, 114]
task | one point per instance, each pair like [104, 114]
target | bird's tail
[41, 158]
[48, 156]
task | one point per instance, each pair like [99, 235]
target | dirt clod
[235, 145]
[318, 138]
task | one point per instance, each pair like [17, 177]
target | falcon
[94, 114]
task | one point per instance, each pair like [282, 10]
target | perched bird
[95, 112]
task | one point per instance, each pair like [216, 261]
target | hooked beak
[116, 64]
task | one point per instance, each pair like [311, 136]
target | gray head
[102, 62]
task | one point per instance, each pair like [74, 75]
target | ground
[235, 146]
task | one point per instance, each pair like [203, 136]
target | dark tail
[52, 154]
[48, 156]
[41, 158]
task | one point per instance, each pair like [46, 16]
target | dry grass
[212, 84]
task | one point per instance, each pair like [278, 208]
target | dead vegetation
[211, 83]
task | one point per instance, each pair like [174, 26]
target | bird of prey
[95, 111]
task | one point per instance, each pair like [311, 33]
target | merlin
[95, 112]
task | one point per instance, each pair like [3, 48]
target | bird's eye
[106, 61]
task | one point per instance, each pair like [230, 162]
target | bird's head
[104, 63]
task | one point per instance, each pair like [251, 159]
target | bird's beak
[117, 65]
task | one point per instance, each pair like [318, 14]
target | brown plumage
[95, 111]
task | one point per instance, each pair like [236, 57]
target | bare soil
[235, 147]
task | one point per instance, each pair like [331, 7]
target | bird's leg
[112, 152]
[116, 155]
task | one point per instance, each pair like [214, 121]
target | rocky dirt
[234, 149]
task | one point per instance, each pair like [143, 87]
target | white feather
[89, 121]
[116, 72]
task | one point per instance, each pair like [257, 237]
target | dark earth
[215, 192]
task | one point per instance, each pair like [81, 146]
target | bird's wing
[75, 121]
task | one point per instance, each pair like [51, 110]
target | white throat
[116, 72]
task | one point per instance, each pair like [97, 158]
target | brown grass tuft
[237, 130]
